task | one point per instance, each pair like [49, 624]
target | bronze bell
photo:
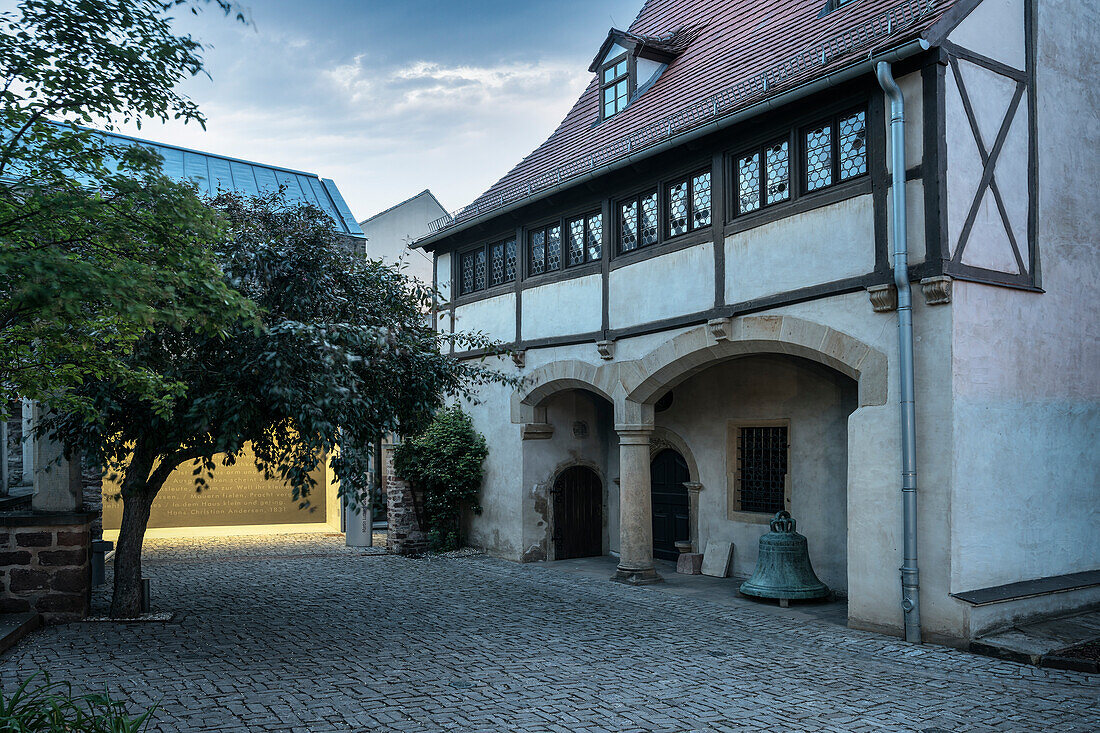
[783, 568]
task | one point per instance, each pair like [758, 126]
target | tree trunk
[126, 602]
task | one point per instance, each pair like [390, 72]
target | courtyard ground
[299, 633]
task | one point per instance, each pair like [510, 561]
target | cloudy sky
[389, 97]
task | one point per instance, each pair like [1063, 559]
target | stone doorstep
[1038, 643]
[14, 626]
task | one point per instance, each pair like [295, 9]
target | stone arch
[558, 376]
[662, 438]
[702, 347]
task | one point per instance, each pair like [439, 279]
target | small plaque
[716, 560]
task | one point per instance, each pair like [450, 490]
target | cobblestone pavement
[303, 634]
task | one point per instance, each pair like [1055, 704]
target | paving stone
[300, 633]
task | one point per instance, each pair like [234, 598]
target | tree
[343, 353]
[444, 463]
[96, 246]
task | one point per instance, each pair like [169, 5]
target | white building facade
[694, 273]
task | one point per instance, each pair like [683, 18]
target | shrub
[39, 705]
[444, 465]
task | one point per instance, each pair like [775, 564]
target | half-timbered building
[703, 274]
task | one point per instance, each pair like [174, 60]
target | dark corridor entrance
[668, 473]
[578, 513]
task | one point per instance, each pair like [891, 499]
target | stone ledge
[28, 518]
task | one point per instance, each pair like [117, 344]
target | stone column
[28, 443]
[693, 489]
[635, 507]
[58, 484]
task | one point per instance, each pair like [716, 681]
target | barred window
[585, 238]
[487, 266]
[638, 222]
[761, 467]
[544, 250]
[689, 204]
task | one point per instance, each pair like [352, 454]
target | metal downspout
[910, 581]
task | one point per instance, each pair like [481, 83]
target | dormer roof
[662, 49]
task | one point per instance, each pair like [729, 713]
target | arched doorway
[668, 473]
[578, 513]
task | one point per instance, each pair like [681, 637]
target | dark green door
[670, 503]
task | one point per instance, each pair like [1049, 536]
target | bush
[50, 707]
[444, 465]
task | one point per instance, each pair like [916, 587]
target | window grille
[748, 183]
[487, 266]
[576, 241]
[689, 204]
[648, 223]
[628, 226]
[762, 458]
[538, 252]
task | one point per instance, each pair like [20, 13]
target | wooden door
[578, 513]
[670, 503]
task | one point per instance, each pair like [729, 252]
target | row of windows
[831, 151]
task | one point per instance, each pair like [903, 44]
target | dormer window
[615, 86]
[629, 63]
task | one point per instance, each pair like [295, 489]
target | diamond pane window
[678, 209]
[553, 248]
[819, 157]
[496, 264]
[700, 200]
[595, 237]
[510, 260]
[479, 270]
[467, 273]
[648, 224]
[538, 252]
[628, 226]
[762, 468]
[853, 146]
[748, 183]
[576, 241]
[777, 172]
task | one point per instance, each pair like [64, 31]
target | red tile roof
[741, 44]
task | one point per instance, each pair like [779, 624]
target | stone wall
[404, 535]
[45, 564]
[14, 448]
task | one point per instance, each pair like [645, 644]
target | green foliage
[445, 464]
[41, 706]
[97, 247]
[343, 352]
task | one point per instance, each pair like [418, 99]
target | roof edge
[846, 73]
[399, 204]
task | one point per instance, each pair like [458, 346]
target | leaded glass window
[819, 157]
[648, 220]
[553, 248]
[777, 172]
[510, 260]
[576, 241]
[487, 266]
[689, 204]
[628, 226]
[748, 183]
[538, 252]
[700, 200]
[594, 236]
[853, 146]
[467, 266]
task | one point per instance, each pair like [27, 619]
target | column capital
[694, 486]
[634, 434]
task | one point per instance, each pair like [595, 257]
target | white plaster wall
[817, 401]
[499, 528]
[914, 223]
[995, 28]
[443, 276]
[494, 316]
[817, 246]
[661, 287]
[912, 86]
[390, 232]
[563, 308]
[1027, 365]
